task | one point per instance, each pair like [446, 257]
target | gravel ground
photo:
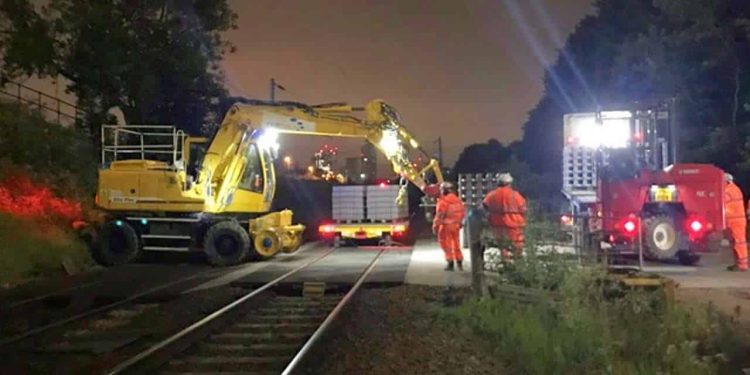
[395, 331]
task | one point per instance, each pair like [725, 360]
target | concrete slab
[427, 263]
[250, 268]
[343, 266]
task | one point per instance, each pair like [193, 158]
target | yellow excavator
[163, 190]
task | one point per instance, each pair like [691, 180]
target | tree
[158, 60]
[482, 157]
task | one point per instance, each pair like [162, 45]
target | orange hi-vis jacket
[507, 208]
[449, 210]
[734, 205]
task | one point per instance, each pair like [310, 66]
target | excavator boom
[380, 125]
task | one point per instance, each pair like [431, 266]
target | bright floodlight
[268, 139]
[389, 143]
[613, 131]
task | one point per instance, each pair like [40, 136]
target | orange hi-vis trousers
[514, 235]
[738, 228]
[449, 241]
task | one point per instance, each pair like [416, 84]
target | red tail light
[696, 227]
[327, 228]
[398, 229]
[630, 226]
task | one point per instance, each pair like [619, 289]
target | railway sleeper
[256, 338]
[228, 363]
[265, 349]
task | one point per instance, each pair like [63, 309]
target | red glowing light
[21, 197]
[571, 140]
[696, 226]
[629, 226]
[638, 137]
[383, 184]
[327, 228]
[398, 229]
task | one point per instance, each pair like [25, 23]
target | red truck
[639, 196]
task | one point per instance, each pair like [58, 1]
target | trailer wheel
[662, 239]
[226, 244]
[117, 244]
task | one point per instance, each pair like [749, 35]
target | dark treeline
[643, 51]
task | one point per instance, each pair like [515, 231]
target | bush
[597, 327]
[59, 157]
[31, 249]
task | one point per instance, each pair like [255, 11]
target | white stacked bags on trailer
[348, 203]
[382, 206]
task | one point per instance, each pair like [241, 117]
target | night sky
[465, 70]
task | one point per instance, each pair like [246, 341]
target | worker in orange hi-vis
[449, 216]
[734, 213]
[507, 213]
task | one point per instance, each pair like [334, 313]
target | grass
[30, 250]
[597, 327]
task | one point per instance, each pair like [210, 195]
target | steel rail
[35, 331]
[330, 318]
[142, 356]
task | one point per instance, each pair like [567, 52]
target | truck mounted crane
[160, 189]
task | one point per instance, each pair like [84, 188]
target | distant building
[369, 162]
[325, 159]
[362, 169]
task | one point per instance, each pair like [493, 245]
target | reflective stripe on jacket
[507, 208]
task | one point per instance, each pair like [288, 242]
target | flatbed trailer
[337, 234]
[366, 212]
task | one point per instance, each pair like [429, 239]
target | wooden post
[474, 226]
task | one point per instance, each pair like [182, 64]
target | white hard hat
[728, 177]
[505, 178]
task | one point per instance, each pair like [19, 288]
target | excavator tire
[116, 244]
[661, 238]
[226, 244]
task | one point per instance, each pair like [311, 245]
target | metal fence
[52, 108]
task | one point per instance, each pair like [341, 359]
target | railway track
[259, 333]
[99, 309]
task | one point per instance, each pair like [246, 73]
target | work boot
[735, 268]
[460, 265]
[449, 267]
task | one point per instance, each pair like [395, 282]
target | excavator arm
[380, 125]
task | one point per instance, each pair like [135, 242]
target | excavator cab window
[252, 177]
[196, 154]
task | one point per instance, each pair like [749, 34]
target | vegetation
[590, 325]
[46, 182]
[31, 249]
[156, 60]
[58, 157]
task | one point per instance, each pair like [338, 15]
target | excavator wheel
[267, 244]
[116, 244]
[226, 244]
[661, 238]
[296, 242]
